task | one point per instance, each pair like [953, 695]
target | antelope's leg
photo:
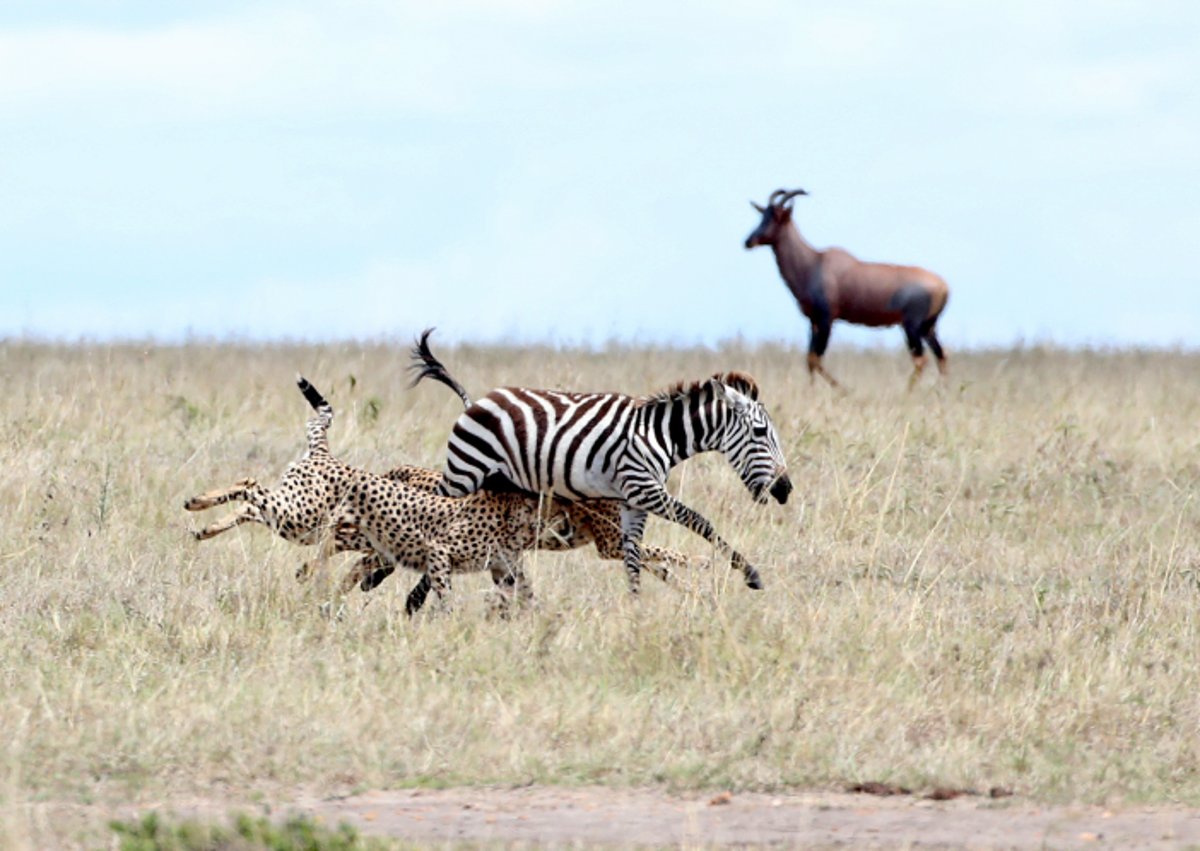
[935, 345]
[815, 366]
[918, 367]
[822, 327]
[912, 333]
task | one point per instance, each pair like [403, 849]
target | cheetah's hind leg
[511, 585]
[368, 572]
[420, 591]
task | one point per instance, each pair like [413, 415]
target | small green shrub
[298, 833]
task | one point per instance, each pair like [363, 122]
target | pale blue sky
[564, 172]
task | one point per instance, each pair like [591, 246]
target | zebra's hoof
[753, 580]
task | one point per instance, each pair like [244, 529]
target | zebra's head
[750, 441]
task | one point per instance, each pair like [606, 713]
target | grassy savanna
[991, 581]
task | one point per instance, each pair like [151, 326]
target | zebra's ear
[722, 392]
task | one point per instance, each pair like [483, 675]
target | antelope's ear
[758, 207]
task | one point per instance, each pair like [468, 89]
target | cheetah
[399, 519]
[593, 522]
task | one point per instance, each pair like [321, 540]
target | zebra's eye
[759, 431]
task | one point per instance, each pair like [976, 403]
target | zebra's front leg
[633, 525]
[669, 508]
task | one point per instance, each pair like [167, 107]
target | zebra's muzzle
[781, 489]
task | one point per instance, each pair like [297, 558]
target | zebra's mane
[739, 381]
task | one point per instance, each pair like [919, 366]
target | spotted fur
[399, 519]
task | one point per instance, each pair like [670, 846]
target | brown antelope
[833, 284]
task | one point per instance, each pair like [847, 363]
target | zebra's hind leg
[633, 525]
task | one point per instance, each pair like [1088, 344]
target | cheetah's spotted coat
[398, 519]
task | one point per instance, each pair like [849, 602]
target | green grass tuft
[247, 833]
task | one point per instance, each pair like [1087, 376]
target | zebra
[608, 445]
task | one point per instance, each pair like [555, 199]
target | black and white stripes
[591, 445]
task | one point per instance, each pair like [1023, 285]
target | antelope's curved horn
[771, 197]
[788, 196]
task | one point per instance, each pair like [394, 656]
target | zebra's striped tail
[425, 365]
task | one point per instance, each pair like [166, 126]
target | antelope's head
[775, 217]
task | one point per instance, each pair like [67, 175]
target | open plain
[990, 583]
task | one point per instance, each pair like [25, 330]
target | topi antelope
[833, 284]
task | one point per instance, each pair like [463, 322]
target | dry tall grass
[994, 582]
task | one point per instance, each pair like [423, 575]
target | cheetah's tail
[311, 393]
[425, 365]
[318, 424]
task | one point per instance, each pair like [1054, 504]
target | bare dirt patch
[654, 817]
[554, 817]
